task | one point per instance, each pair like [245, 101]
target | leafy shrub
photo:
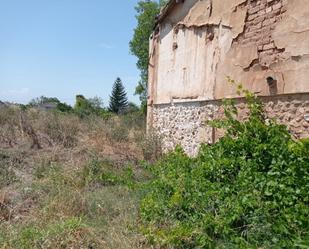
[249, 190]
[63, 107]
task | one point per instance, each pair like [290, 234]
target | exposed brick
[259, 19]
[262, 18]
[266, 22]
[262, 6]
[284, 9]
[249, 34]
[251, 17]
[269, 9]
[253, 10]
[269, 46]
[277, 6]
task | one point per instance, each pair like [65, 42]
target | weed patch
[7, 174]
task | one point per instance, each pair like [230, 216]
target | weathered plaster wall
[263, 44]
[201, 42]
[274, 43]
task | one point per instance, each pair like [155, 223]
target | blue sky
[60, 48]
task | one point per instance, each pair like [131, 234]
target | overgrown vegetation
[83, 184]
[85, 107]
[249, 190]
[7, 175]
[87, 207]
[74, 189]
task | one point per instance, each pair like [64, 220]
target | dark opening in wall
[272, 83]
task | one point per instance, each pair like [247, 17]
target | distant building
[2, 103]
[196, 44]
[46, 106]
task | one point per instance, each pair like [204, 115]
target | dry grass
[69, 191]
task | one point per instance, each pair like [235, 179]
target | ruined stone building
[263, 44]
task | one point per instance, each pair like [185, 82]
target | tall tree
[118, 100]
[147, 10]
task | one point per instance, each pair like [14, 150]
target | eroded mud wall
[274, 44]
[263, 44]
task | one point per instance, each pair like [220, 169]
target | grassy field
[96, 182]
[64, 181]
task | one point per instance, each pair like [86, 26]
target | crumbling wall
[274, 44]
[263, 44]
[202, 41]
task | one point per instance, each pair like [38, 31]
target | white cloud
[21, 95]
[16, 92]
[105, 45]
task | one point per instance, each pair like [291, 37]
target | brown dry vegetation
[63, 180]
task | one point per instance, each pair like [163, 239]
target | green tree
[96, 103]
[43, 100]
[147, 11]
[118, 100]
[133, 108]
[82, 106]
[92, 106]
[63, 107]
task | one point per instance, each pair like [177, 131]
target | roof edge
[167, 9]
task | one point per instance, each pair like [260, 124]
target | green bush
[63, 107]
[249, 190]
[87, 107]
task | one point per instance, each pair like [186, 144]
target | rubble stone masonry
[185, 123]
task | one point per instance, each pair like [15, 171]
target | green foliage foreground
[249, 190]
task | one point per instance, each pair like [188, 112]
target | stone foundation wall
[184, 123]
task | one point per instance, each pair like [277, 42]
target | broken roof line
[166, 10]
